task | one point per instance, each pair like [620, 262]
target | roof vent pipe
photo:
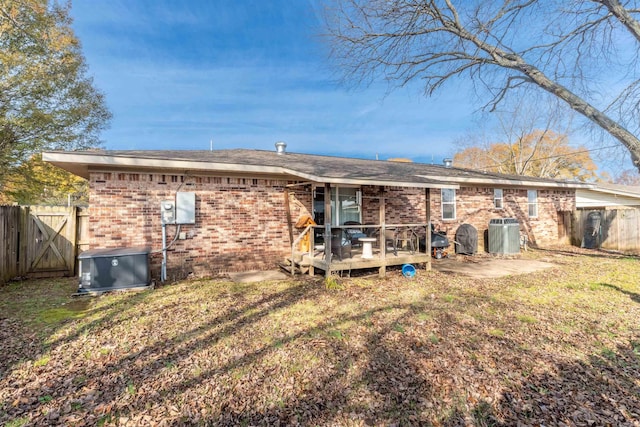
[448, 163]
[281, 147]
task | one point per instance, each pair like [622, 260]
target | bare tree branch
[502, 45]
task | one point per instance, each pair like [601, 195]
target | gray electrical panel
[185, 208]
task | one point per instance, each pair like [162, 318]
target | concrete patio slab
[258, 276]
[489, 268]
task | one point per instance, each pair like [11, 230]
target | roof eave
[80, 164]
[364, 181]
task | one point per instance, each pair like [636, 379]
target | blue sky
[178, 74]
[245, 74]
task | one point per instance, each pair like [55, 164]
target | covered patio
[344, 236]
[404, 246]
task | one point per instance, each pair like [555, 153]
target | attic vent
[281, 147]
[447, 163]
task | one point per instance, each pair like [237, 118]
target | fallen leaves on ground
[557, 347]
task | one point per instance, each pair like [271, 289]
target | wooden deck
[356, 262]
[405, 237]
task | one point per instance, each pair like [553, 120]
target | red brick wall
[474, 205]
[402, 205]
[240, 224]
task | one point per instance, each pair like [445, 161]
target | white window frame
[452, 203]
[532, 203]
[498, 198]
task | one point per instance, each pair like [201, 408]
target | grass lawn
[557, 347]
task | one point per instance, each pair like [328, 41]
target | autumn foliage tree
[542, 153]
[47, 100]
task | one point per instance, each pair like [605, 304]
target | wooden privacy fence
[41, 241]
[619, 229]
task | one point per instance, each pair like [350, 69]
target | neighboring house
[248, 201]
[608, 196]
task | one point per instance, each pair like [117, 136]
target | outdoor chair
[354, 234]
[391, 238]
[340, 243]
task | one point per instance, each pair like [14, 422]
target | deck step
[297, 269]
[304, 262]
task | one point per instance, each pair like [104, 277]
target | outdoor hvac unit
[504, 236]
[110, 269]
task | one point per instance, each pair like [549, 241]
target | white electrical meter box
[168, 212]
[185, 208]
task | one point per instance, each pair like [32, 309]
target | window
[532, 201]
[448, 203]
[497, 198]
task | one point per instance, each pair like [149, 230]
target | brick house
[248, 202]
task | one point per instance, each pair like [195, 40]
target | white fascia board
[518, 183]
[615, 192]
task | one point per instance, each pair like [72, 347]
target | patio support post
[287, 208]
[427, 236]
[327, 228]
[383, 238]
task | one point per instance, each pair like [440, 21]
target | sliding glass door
[346, 205]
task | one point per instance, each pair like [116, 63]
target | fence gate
[618, 229]
[47, 241]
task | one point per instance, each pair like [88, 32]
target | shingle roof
[317, 168]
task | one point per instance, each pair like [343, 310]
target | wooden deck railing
[405, 237]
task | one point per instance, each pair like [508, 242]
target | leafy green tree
[35, 182]
[47, 100]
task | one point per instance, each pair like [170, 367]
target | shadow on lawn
[394, 375]
[600, 391]
[29, 343]
[634, 297]
[575, 251]
[110, 379]
[399, 380]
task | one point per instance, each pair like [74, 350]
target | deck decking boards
[356, 262]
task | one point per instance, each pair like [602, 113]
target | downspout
[163, 270]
